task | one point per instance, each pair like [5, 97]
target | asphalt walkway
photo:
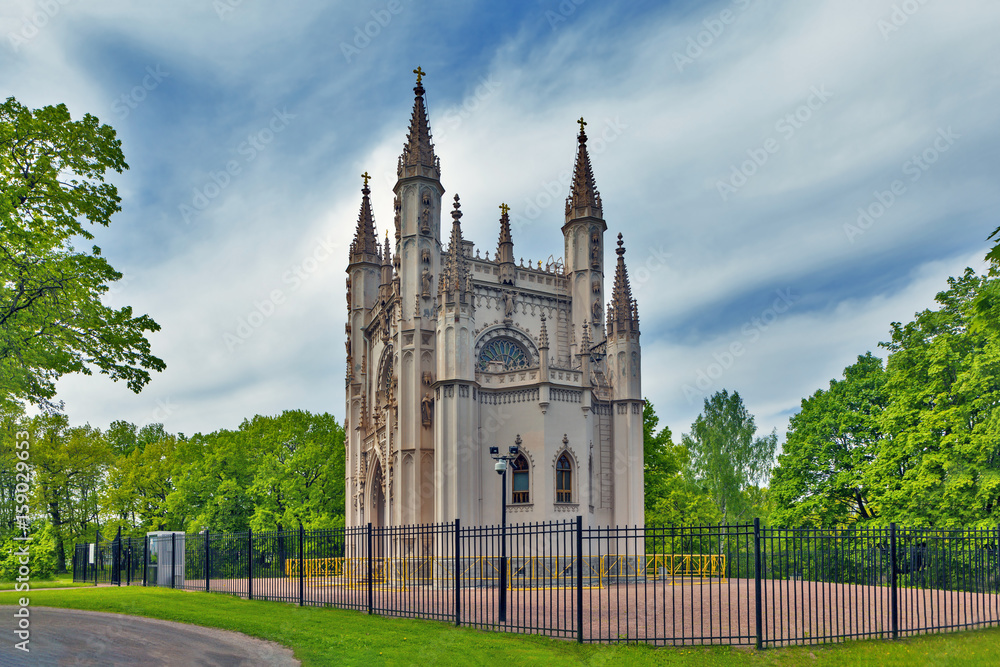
[84, 638]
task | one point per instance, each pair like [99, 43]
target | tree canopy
[52, 321]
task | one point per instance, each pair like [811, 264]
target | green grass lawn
[59, 581]
[337, 637]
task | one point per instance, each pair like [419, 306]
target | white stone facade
[451, 351]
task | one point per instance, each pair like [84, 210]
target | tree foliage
[726, 458]
[822, 474]
[52, 321]
[917, 443]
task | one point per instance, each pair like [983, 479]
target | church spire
[505, 248]
[386, 261]
[584, 200]
[455, 282]
[418, 157]
[623, 312]
[364, 248]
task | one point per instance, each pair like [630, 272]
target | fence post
[458, 582]
[370, 591]
[302, 562]
[145, 558]
[894, 593]
[116, 555]
[250, 563]
[173, 559]
[128, 571]
[758, 598]
[579, 578]
[208, 569]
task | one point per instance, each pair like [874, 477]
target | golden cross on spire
[366, 177]
[582, 122]
[504, 208]
[420, 74]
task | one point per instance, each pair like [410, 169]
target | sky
[789, 178]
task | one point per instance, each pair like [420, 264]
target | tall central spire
[584, 200]
[418, 157]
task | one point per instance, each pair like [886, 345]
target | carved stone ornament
[426, 410]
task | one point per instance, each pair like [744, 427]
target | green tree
[672, 498]
[52, 321]
[831, 442]
[68, 467]
[726, 458]
[139, 481]
[939, 460]
[300, 476]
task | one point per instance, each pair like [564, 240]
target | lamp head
[501, 467]
[494, 451]
[513, 450]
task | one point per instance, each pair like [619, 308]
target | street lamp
[502, 460]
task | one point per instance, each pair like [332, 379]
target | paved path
[83, 638]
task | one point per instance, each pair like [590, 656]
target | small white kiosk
[166, 557]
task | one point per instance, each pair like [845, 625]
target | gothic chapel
[450, 352]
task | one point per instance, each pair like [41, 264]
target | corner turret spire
[455, 283]
[365, 248]
[584, 200]
[505, 248]
[418, 157]
[623, 311]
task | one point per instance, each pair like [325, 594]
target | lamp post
[501, 468]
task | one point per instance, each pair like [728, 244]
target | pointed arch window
[564, 480]
[519, 480]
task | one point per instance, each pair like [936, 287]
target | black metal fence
[741, 584]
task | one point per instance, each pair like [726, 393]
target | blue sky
[733, 144]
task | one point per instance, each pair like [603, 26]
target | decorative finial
[621, 245]
[456, 204]
[504, 208]
[420, 74]
[366, 177]
[582, 123]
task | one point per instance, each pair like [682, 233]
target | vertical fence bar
[370, 568]
[302, 562]
[250, 563]
[758, 616]
[458, 574]
[208, 571]
[579, 578]
[893, 591]
[145, 558]
[173, 557]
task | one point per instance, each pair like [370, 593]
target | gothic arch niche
[383, 390]
[566, 470]
[376, 494]
[505, 348]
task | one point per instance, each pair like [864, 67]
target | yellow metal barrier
[523, 573]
